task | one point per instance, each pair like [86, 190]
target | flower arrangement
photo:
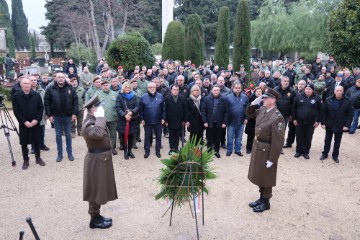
[185, 173]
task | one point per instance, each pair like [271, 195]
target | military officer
[269, 132]
[108, 101]
[80, 91]
[99, 178]
[95, 88]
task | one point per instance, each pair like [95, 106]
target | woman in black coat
[127, 108]
[193, 114]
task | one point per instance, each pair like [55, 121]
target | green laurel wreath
[175, 178]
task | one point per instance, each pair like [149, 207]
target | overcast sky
[34, 11]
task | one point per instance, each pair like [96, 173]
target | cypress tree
[5, 20]
[222, 38]
[242, 36]
[32, 47]
[194, 39]
[10, 42]
[19, 25]
[174, 42]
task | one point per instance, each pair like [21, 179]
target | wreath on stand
[185, 174]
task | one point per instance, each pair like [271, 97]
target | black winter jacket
[53, 104]
[122, 105]
[354, 95]
[174, 112]
[207, 111]
[335, 121]
[307, 109]
[286, 100]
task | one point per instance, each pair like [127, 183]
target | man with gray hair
[152, 117]
[337, 118]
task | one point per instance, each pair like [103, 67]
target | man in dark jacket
[174, 117]
[69, 65]
[267, 79]
[235, 118]
[152, 117]
[213, 118]
[291, 74]
[286, 98]
[337, 117]
[306, 114]
[330, 86]
[354, 95]
[292, 128]
[308, 76]
[61, 107]
[28, 109]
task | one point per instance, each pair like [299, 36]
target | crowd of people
[172, 99]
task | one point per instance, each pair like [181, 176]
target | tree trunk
[98, 50]
[125, 21]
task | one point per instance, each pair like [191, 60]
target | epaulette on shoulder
[278, 114]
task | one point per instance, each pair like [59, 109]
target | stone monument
[167, 15]
[2, 40]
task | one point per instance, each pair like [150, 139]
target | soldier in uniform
[269, 132]
[108, 101]
[99, 178]
[95, 88]
[80, 91]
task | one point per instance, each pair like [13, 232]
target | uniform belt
[99, 150]
[263, 140]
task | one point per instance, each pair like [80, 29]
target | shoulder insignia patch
[280, 126]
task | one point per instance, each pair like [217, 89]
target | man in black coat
[28, 109]
[306, 114]
[286, 99]
[174, 116]
[337, 117]
[61, 107]
[331, 85]
[213, 118]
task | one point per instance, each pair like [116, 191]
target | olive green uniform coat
[99, 178]
[268, 142]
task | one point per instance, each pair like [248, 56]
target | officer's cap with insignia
[269, 92]
[93, 102]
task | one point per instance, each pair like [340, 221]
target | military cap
[92, 102]
[73, 79]
[269, 92]
[105, 82]
[96, 78]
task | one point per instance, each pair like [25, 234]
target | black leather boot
[264, 205]
[105, 219]
[126, 155]
[129, 153]
[256, 203]
[99, 222]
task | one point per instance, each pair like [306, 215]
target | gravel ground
[312, 200]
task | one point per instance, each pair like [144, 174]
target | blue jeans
[237, 131]
[355, 121]
[63, 122]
